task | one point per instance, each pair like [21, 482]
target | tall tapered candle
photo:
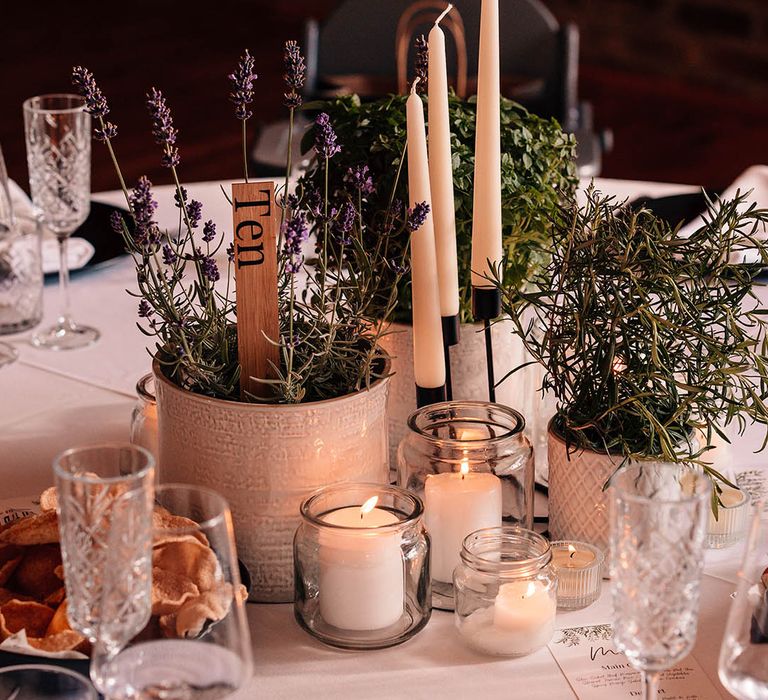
[486, 214]
[441, 172]
[428, 361]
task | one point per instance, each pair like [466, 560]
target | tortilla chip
[168, 527]
[34, 529]
[59, 621]
[48, 499]
[10, 557]
[67, 640]
[56, 598]
[212, 605]
[170, 591]
[7, 594]
[18, 615]
[59, 571]
[35, 575]
[189, 559]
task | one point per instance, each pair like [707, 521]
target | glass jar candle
[505, 591]
[730, 526]
[21, 275]
[474, 468]
[144, 416]
[361, 560]
[578, 566]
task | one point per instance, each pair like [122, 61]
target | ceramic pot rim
[245, 406]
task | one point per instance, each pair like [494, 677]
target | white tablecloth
[50, 401]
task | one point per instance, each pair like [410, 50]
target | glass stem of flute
[650, 684]
[64, 318]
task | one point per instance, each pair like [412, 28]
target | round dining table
[50, 401]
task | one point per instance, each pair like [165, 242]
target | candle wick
[571, 554]
[444, 13]
[413, 87]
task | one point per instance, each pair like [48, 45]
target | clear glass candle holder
[578, 566]
[144, 417]
[361, 562]
[732, 519]
[474, 468]
[505, 591]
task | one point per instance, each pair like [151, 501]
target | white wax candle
[571, 558]
[486, 208]
[428, 359]
[521, 620]
[732, 515]
[441, 174]
[362, 579]
[455, 505]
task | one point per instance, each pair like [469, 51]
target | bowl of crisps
[188, 594]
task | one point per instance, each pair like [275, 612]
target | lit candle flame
[530, 590]
[464, 469]
[368, 506]
[571, 550]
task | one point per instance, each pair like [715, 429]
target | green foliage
[538, 170]
[647, 336]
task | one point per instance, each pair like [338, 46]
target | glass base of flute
[65, 334]
[8, 354]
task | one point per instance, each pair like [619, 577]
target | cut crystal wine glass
[743, 667]
[658, 531]
[58, 136]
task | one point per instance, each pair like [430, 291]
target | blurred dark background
[683, 84]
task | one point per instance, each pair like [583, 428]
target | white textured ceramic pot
[578, 506]
[470, 383]
[265, 459]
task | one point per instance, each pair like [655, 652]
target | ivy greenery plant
[647, 336]
[537, 167]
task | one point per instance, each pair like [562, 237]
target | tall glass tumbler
[658, 533]
[58, 136]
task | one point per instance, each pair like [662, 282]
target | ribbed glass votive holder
[578, 566]
[732, 519]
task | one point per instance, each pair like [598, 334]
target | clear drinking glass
[58, 135]
[658, 531]
[105, 495]
[200, 647]
[144, 417]
[41, 682]
[743, 667]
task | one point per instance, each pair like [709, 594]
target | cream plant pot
[578, 506]
[520, 391]
[265, 459]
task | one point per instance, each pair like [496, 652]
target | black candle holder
[486, 306]
[450, 337]
[426, 396]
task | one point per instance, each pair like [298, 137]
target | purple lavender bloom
[417, 216]
[195, 213]
[143, 208]
[145, 310]
[116, 222]
[231, 252]
[325, 137]
[360, 177]
[180, 200]
[105, 133]
[95, 102]
[169, 255]
[162, 127]
[295, 74]
[208, 266]
[209, 231]
[344, 223]
[399, 267]
[421, 63]
[295, 232]
[241, 83]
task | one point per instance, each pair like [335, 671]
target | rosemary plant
[332, 309]
[647, 336]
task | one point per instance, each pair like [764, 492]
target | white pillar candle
[455, 505]
[441, 173]
[486, 208]
[362, 579]
[521, 620]
[428, 359]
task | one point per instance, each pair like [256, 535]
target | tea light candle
[456, 504]
[732, 518]
[362, 579]
[521, 620]
[578, 566]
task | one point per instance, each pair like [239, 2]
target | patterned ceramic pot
[578, 506]
[520, 391]
[266, 459]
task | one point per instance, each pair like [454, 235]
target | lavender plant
[333, 308]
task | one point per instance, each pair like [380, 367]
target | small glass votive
[473, 465]
[732, 519]
[505, 591]
[578, 567]
[361, 565]
[21, 275]
[144, 416]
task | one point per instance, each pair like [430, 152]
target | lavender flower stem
[245, 153]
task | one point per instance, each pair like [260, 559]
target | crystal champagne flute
[658, 530]
[58, 136]
[8, 353]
